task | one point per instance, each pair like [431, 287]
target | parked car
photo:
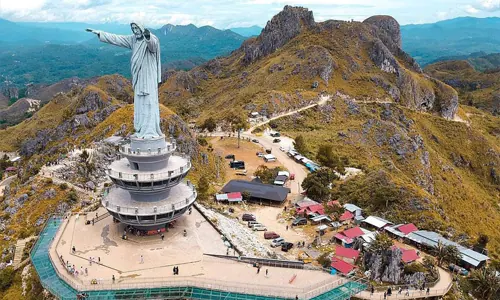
[255, 141]
[240, 165]
[286, 246]
[230, 156]
[271, 235]
[248, 217]
[260, 154]
[275, 134]
[276, 140]
[457, 269]
[277, 242]
[282, 148]
[259, 227]
[299, 221]
[269, 150]
[252, 223]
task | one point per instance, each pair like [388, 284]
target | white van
[277, 242]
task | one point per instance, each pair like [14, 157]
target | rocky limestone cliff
[283, 27]
[362, 60]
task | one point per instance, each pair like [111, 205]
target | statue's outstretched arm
[124, 41]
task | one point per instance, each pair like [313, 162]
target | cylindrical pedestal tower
[148, 189]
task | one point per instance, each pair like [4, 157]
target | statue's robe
[146, 74]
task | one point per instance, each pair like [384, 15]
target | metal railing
[150, 210]
[152, 176]
[410, 294]
[128, 150]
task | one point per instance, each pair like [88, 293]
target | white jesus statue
[146, 74]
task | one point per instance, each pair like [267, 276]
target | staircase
[101, 217]
[18, 255]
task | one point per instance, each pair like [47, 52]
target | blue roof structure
[431, 239]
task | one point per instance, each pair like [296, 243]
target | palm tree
[452, 254]
[486, 283]
[439, 252]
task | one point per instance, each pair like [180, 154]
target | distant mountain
[247, 31]
[182, 48]
[25, 34]
[455, 37]
[80, 27]
[481, 61]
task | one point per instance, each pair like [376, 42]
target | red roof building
[342, 266]
[353, 232]
[11, 169]
[409, 255]
[234, 197]
[343, 238]
[407, 228]
[315, 208]
[347, 215]
[346, 252]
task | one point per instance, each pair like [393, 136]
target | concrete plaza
[114, 256]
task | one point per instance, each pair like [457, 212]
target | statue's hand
[92, 30]
[147, 33]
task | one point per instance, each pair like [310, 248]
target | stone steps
[18, 254]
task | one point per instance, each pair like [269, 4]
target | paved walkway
[6, 182]
[440, 289]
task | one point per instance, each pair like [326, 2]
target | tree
[329, 159]
[439, 252]
[203, 187]
[485, 283]
[209, 124]
[381, 243]
[300, 144]
[452, 254]
[481, 242]
[265, 174]
[318, 184]
[6, 277]
[429, 262]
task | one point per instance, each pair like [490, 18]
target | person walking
[162, 237]
[428, 291]
[372, 290]
[113, 278]
[267, 272]
[407, 292]
[90, 260]
[385, 295]
[86, 272]
[142, 259]
[258, 269]
[287, 227]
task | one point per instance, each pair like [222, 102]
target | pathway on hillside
[6, 182]
[322, 100]
[440, 289]
[18, 254]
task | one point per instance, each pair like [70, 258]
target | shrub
[6, 277]
[202, 141]
[63, 186]
[324, 260]
[414, 268]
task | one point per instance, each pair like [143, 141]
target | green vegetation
[485, 283]
[328, 158]
[446, 254]
[318, 184]
[414, 268]
[266, 174]
[299, 144]
[382, 243]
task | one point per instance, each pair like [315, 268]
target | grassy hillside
[440, 174]
[478, 89]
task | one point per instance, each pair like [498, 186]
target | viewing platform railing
[144, 177]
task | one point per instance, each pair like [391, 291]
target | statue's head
[137, 29]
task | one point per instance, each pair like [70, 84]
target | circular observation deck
[124, 176]
[153, 212]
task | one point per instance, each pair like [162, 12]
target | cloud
[484, 5]
[471, 10]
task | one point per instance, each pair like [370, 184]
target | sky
[237, 13]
